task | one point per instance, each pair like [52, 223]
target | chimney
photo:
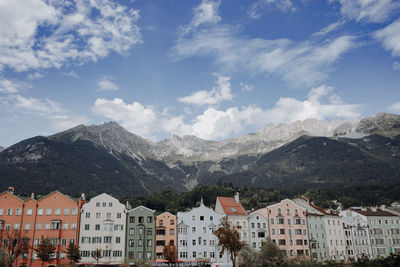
[237, 197]
[11, 189]
[383, 207]
[83, 197]
[33, 195]
[127, 205]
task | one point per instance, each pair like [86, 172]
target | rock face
[314, 153]
[1, 148]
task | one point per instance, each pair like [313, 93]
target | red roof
[370, 212]
[230, 206]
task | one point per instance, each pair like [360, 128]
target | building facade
[140, 235]
[316, 229]
[384, 229]
[102, 231]
[335, 237]
[359, 232]
[196, 240]
[288, 228]
[237, 216]
[258, 228]
[55, 216]
[166, 234]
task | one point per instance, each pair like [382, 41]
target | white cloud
[71, 74]
[283, 5]
[396, 65]
[64, 122]
[390, 37]
[302, 64]
[35, 105]
[205, 13]
[220, 124]
[11, 86]
[331, 27]
[395, 107]
[105, 83]
[376, 11]
[75, 32]
[245, 87]
[220, 92]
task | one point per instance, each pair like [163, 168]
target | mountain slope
[94, 159]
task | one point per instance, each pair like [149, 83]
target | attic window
[233, 210]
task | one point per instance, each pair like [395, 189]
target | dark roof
[369, 212]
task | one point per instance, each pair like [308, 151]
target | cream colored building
[102, 227]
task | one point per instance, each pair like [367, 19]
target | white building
[258, 228]
[238, 217]
[196, 240]
[335, 237]
[102, 228]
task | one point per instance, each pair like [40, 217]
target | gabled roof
[141, 207]
[58, 192]
[370, 212]
[230, 206]
[12, 194]
[166, 212]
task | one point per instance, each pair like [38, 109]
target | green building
[140, 235]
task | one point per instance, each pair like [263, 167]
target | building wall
[317, 235]
[195, 235]
[335, 238]
[102, 227]
[385, 234]
[34, 224]
[166, 233]
[258, 228]
[140, 234]
[288, 228]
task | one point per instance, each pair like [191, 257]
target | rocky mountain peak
[387, 124]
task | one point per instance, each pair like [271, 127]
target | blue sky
[214, 69]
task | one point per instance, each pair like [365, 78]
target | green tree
[229, 239]
[270, 254]
[73, 253]
[45, 250]
[3, 257]
[248, 257]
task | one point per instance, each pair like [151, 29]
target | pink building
[288, 228]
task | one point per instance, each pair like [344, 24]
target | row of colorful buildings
[125, 235]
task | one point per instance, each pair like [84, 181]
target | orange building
[165, 233]
[54, 216]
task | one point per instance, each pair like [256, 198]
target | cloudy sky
[214, 69]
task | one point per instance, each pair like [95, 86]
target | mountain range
[340, 154]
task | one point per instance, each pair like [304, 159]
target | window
[131, 243]
[131, 219]
[297, 231]
[1, 212]
[117, 253]
[261, 235]
[211, 218]
[149, 231]
[149, 243]
[117, 239]
[97, 204]
[66, 211]
[171, 231]
[97, 227]
[141, 219]
[98, 215]
[38, 226]
[140, 231]
[65, 226]
[87, 215]
[107, 239]
[119, 216]
[140, 243]
[108, 227]
[73, 226]
[161, 243]
[282, 242]
[299, 242]
[140, 255]
[297, 221]
[281, 221]
[110, 204]
[47, 226]
[48, 211]
[75, 211]
[281, 231]
[9, 212]
[288, 221]
[194, 254]
[149, 219]
[57, 211]
[29, 211]
[87, 227]
[18, 211]
[104, 204]
[64, 242]
[27, 226]
[279, 211]
[272, 221]
[288, 211]
[201, 218]
[171, 222]
[131, 255]
[131, 231]
[108, 215]
[193, 218]
[193, 229]
[106, 253]
[40, 211]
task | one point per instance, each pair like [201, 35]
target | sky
[213, 69]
